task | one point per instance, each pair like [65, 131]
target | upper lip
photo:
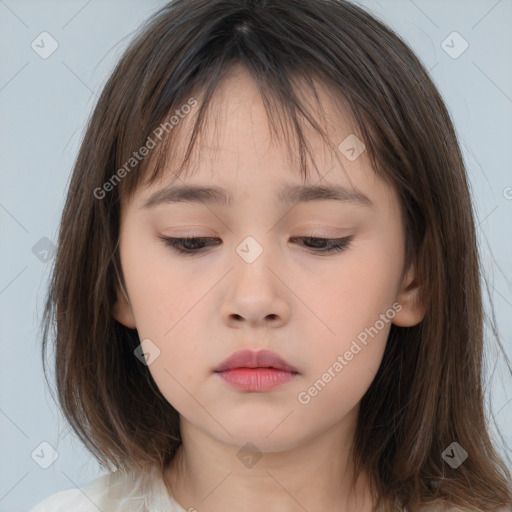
[252, 359]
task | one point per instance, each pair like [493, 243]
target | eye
[194, 245]
[327, 245]
[187, 245]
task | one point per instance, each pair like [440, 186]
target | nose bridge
[256, 293]
[259, 231]
[256, 239]
[253, 257]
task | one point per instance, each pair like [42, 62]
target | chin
[265, 440]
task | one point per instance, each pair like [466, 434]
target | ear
[122, 311]
[413, 310]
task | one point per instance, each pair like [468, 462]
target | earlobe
[413, 310]
[123, 313]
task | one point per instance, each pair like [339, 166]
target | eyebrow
[289, 194]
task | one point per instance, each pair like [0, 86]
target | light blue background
[44, 104]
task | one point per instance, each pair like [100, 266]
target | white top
[119, 491]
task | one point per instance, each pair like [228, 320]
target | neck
[210, 476]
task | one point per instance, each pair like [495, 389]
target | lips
[256, 372]
[252, 359]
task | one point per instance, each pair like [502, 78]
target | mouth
[255, 360]
[256, 379]
[261, 371]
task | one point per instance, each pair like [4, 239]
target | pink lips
[260, 371]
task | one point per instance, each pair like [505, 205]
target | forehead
[237, 146]
[240, 117]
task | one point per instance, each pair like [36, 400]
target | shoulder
[123, 490]
[62, 501]
[86, 499]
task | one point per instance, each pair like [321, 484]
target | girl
[231, 333]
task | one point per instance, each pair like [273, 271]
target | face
[263, 278]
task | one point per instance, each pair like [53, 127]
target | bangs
[288, 108]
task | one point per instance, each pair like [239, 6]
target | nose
[257, 294]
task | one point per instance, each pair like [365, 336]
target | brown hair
[428, 391]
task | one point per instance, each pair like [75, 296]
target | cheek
[353, 291]
[163, 303]
[159, 295]
[344, 364]
[356, 311]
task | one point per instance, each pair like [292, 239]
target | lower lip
[256, 379]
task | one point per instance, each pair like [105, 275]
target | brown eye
[194, 245]
[326, 245]
[187, 245]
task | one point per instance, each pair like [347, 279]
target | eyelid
[334, 245]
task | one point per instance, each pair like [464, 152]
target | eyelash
[335, 244]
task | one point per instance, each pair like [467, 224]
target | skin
[305, 306]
